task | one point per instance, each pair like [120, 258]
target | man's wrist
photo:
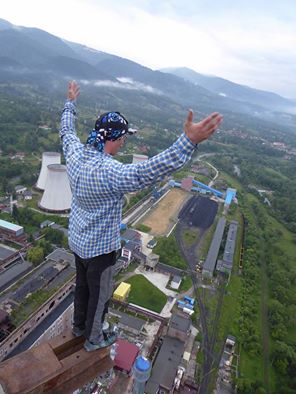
[194, 144]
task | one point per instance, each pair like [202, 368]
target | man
[98, 184]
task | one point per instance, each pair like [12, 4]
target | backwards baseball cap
[108, 127]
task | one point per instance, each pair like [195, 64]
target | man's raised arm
[67, 129]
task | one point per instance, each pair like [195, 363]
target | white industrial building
[57, 193]
[47, 159]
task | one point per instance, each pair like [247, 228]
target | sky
[251, 42]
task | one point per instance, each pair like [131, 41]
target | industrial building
[125, 258]
[210, 263]
[7, 253]
[57, 194]
[20, 189]
[165, 367]
[151, 261]
[13, 272]
[122, 291]
[12, 232]
[176, 282]
[225, 265]
[60, 255]
[230, 196]
[126, 354]
[47, 159]
[132, 237]
[179, 327]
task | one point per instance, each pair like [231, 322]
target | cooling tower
[47, 159]
[138, 158]
[57, 193]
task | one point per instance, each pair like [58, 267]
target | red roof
[126, 355]
[187, 183]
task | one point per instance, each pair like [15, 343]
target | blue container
[190, 300]
[141, 373]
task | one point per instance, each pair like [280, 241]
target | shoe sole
[101, 346]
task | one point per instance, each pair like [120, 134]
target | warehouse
[170, 356]
[210, 263]
[12, 231]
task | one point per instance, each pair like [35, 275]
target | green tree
[35, 255]
[54, 236]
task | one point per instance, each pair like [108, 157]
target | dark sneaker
[108, 340]
[77, 332]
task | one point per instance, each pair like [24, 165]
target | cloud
[123, 83]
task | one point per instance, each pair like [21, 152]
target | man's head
[111, 130]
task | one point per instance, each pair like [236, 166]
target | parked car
[152, 243]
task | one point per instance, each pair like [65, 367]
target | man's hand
[73, 90]
[198, 132]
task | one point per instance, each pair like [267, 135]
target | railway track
[209, 338]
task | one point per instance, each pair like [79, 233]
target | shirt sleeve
[71, 143]
[127, 178]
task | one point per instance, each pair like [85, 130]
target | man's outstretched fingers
[209, 119]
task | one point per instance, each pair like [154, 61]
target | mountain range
[31, 55]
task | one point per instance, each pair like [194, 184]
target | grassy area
[169, 253]
[231, 308]
[143, 228]
[119, 277]
[205, 245]
[190, 236]
[186, 284]
[145, 294]
[34, 202]
[30, 305]
[231, 181]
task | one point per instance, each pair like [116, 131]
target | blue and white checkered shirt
[99, 182]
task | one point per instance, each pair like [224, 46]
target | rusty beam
[59, 366]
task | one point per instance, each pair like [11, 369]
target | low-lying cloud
[124, 83]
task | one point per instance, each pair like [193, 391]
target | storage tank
[57, 194]
[141, 373]
[47, 159]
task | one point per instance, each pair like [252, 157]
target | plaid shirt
[99, 182]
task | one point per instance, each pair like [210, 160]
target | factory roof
[170, 356]
[128, 320]
[60, 254]
[169, 269]
[180, 323]
[210, 263]
[126, 354]
[10, 226]
[13, 272]
[131, 235]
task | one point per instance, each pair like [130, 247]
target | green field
[169, 253]
[190, 236]
[186, 284]
[145, 294]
